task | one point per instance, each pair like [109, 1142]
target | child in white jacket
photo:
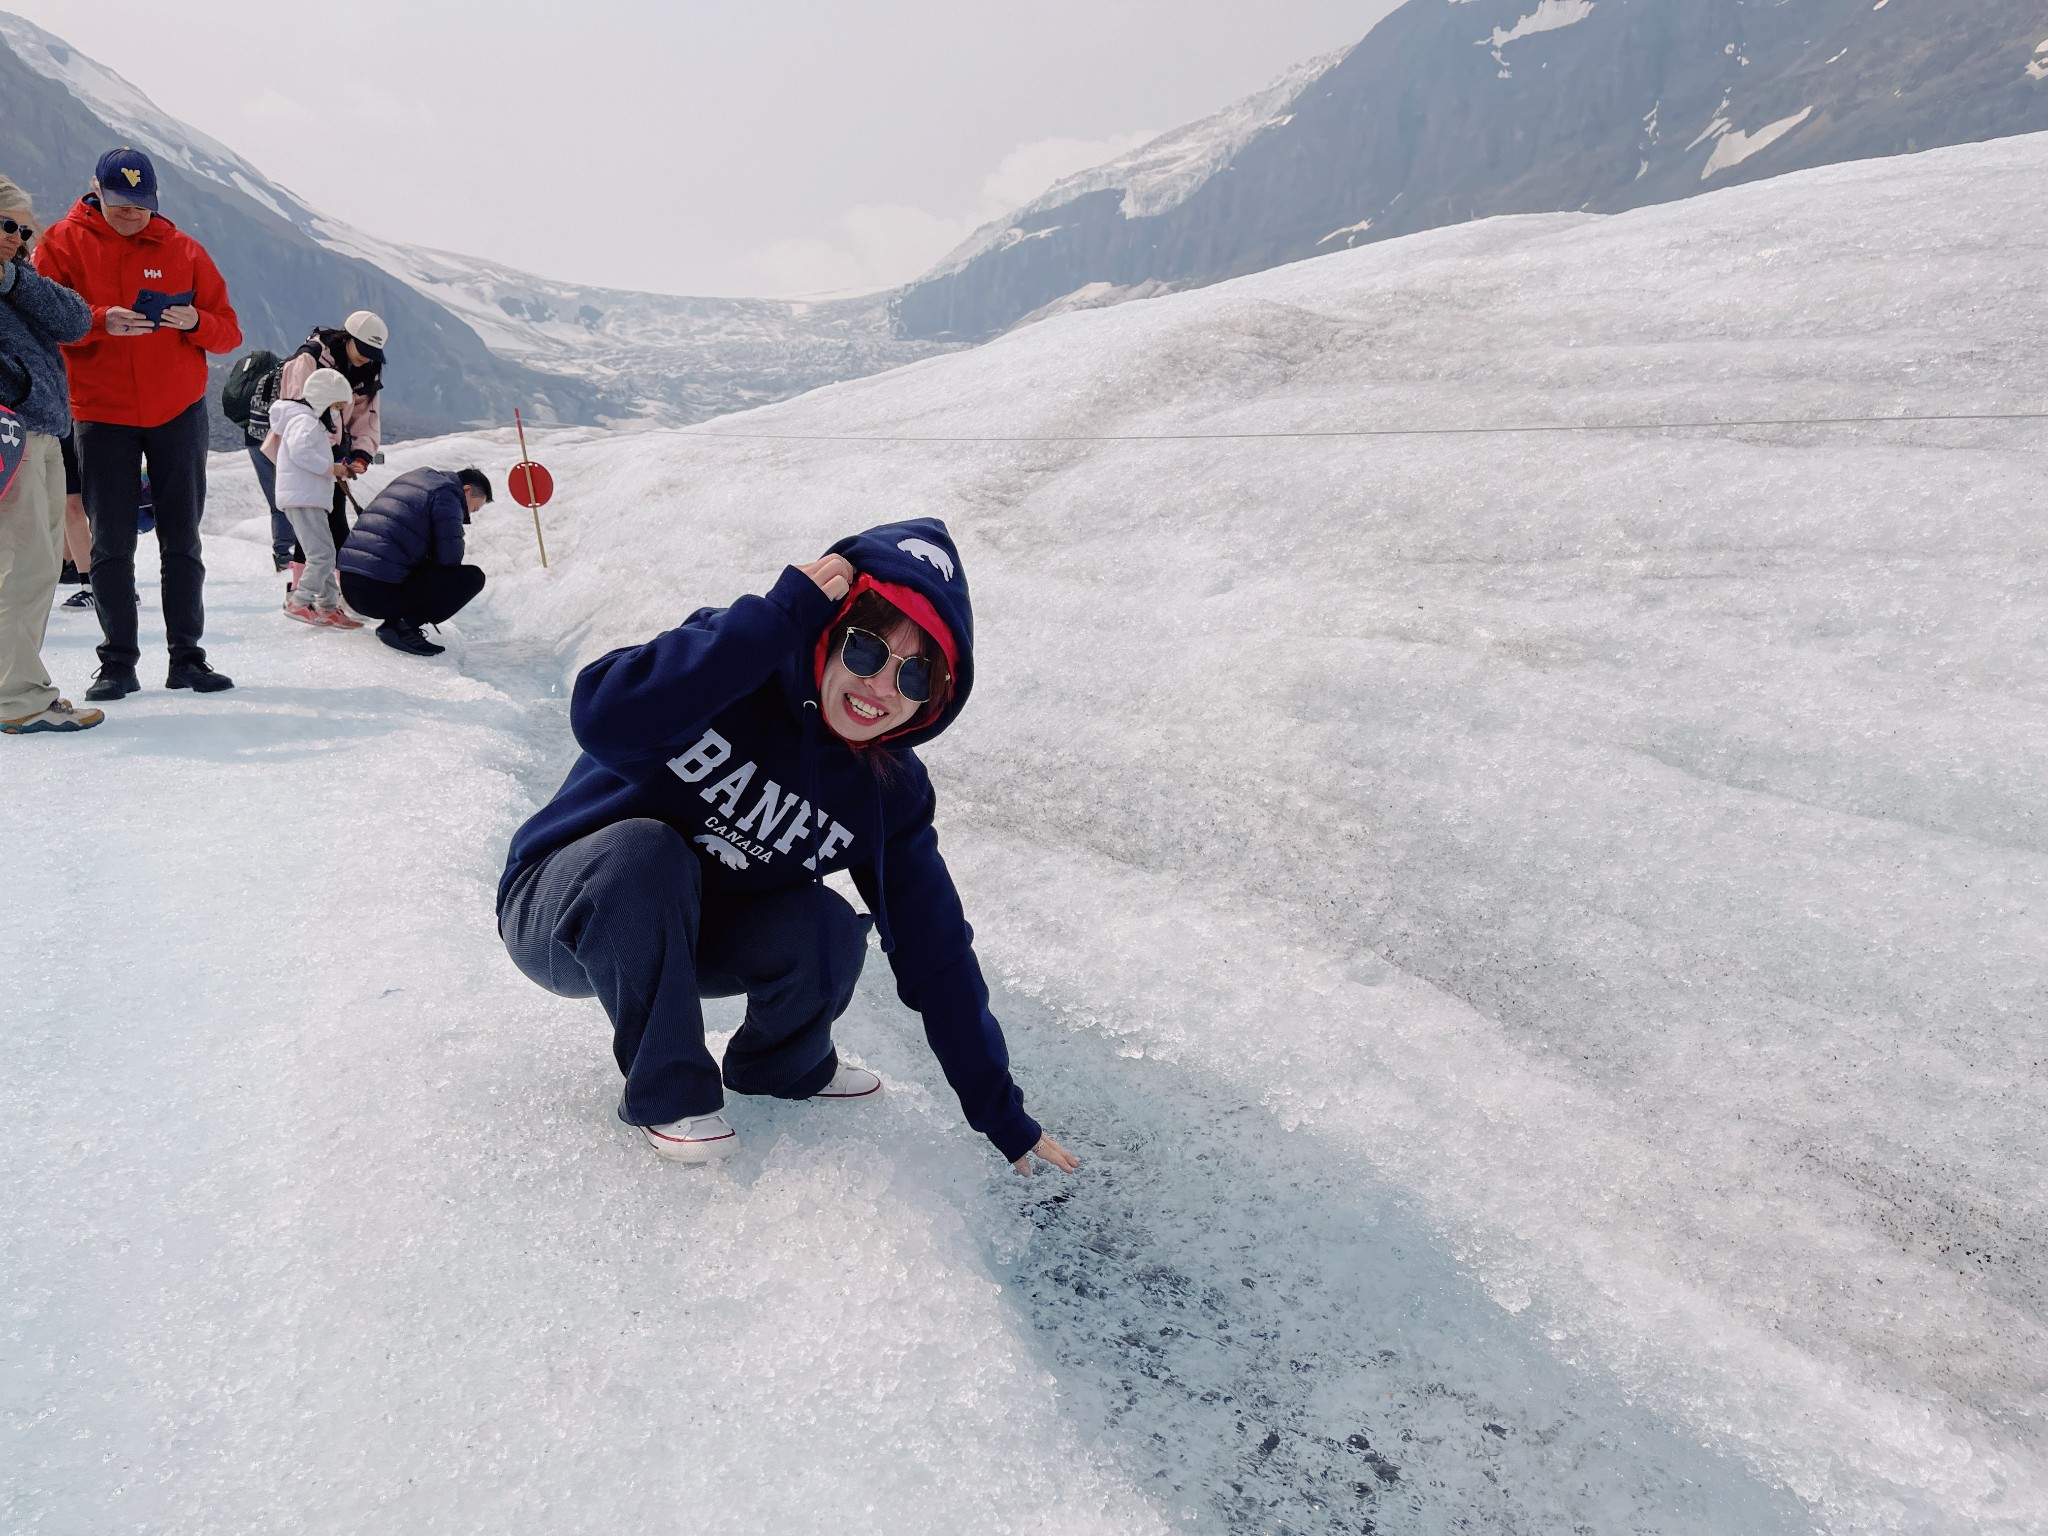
[306, 473]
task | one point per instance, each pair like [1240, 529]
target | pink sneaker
[337, 618]
[305, 615]
[297, 569]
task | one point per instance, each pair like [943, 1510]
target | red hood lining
[918, 609]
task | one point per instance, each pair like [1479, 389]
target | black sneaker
[82, 598]
[401, 636]
[197, 676]
[113, 681]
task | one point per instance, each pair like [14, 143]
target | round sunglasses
[12, 227]
[864, 654]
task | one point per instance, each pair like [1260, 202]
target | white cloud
[875, 245]
[1029, 169]
[879, 245]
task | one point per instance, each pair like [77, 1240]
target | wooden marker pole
[527, 480]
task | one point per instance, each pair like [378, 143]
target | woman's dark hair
[878, 616]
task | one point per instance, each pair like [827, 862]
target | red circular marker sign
[531, 485]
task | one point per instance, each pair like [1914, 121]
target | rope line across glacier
[1340, 432]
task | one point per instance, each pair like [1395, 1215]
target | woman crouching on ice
[727, 767]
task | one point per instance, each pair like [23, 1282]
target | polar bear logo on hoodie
[723, 851]
[930, 554]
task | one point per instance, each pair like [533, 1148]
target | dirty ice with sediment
[1536, 937]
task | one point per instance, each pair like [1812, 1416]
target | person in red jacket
[138, 392]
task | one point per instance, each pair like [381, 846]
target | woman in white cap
[302, 426]
[356, 352]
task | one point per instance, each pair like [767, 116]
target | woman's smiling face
[863, 709]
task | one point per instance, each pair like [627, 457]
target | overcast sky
[768, 147]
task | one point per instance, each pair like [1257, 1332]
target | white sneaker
[850, 1083]
[700, 1139]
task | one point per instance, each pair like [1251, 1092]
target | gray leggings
[318, 587]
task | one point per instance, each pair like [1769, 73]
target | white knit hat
[369, 330]
[325, 388]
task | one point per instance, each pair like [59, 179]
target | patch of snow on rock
[1549, 16]
[1736, 147]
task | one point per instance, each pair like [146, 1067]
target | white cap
[325, 388]
[368, 328]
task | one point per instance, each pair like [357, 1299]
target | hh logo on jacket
[753, 837]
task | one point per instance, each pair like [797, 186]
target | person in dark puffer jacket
[403, 559]
[37, 317]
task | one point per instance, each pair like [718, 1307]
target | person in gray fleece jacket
[36, 317]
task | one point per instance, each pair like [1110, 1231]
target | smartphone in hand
[151, 305]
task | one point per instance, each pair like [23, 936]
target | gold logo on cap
[134, 176]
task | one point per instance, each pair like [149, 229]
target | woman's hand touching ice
[1052, 1152]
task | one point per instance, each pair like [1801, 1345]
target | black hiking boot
[197, 676]
[401, 636]
[112, 681]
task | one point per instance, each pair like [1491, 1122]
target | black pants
[110, 460]
[622, 915]
[432, 594]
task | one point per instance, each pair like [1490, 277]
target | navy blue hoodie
[714, 729]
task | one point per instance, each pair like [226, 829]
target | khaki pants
[31, 556]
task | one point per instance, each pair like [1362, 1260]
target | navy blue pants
[621, 915]
[283, 542]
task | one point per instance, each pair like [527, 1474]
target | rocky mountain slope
[1460, 109]
[282, 281]
[470, 338]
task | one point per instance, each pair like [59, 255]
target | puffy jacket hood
[916, 566]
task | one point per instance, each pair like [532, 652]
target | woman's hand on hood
[1052, 1152]
[833, 573]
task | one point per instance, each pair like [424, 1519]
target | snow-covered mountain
[677, 358]
[1460, 110]
[575, 354]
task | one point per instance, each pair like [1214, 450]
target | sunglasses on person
[12, 227]
[864, 654]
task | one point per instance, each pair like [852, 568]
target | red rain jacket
[136, 381]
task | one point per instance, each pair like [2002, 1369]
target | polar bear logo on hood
[723, 851]
[930, 554]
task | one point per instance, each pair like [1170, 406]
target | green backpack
[250, 389]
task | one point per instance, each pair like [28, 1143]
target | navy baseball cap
[126, 177]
